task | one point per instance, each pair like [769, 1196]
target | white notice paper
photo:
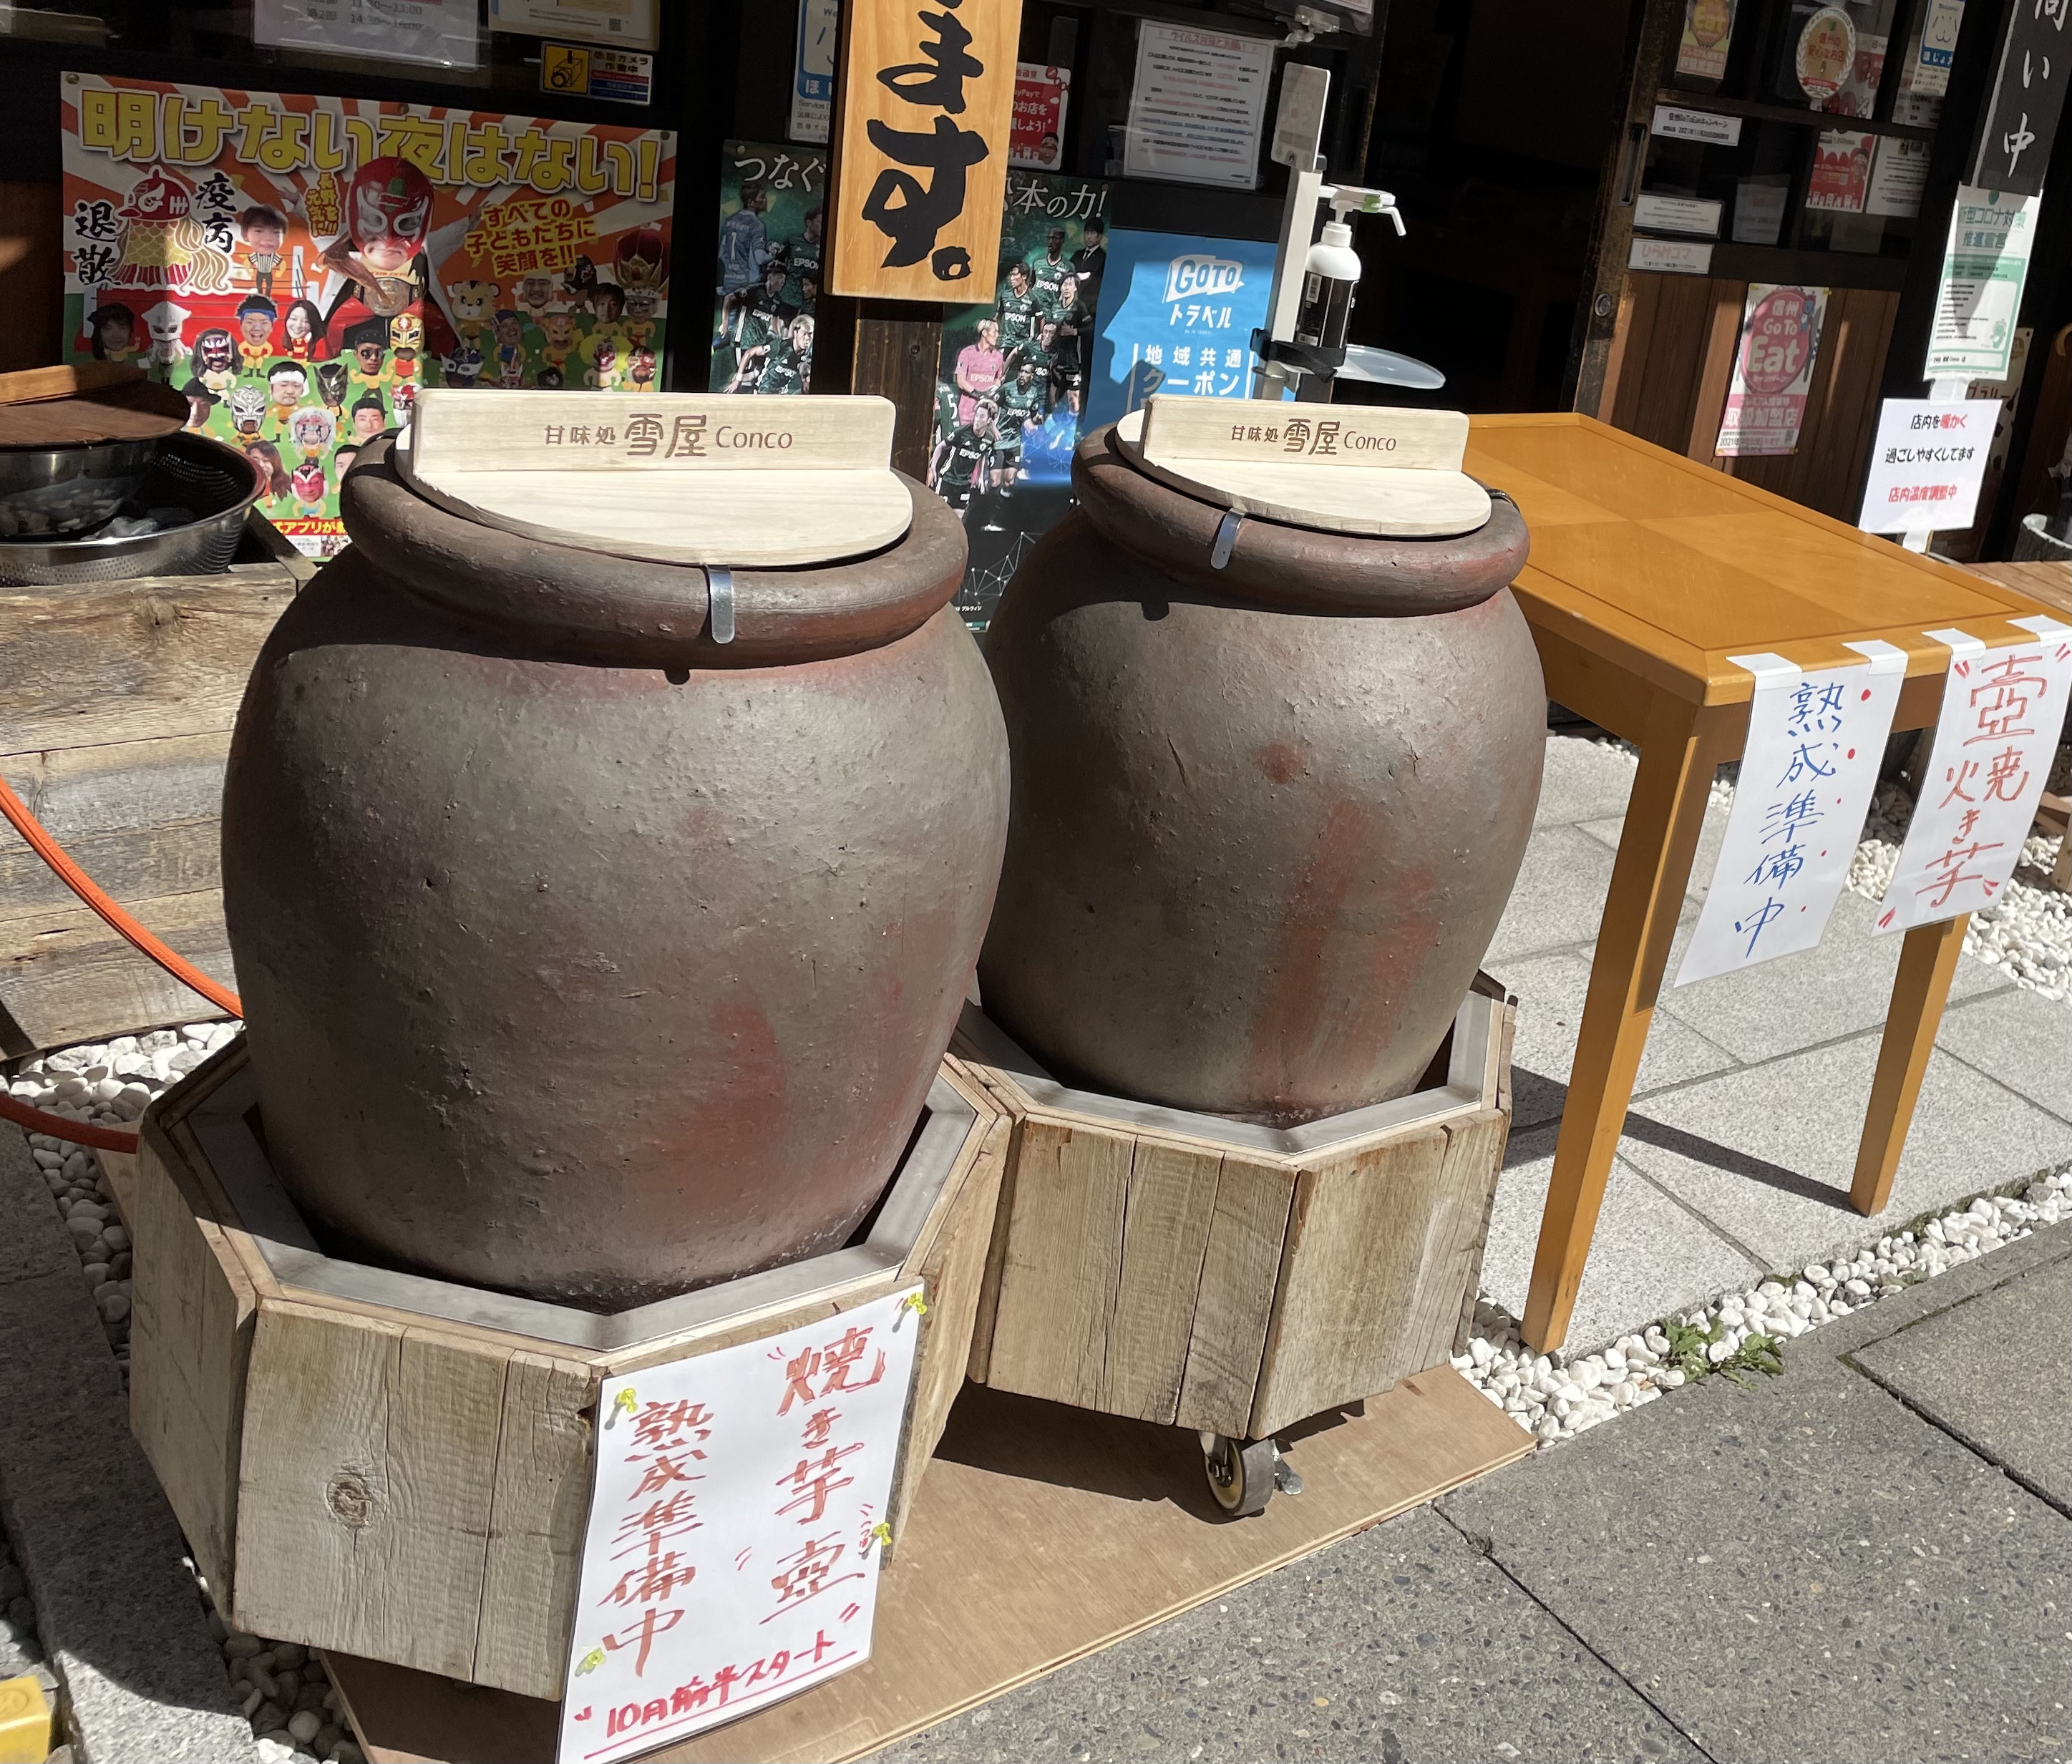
[1814, 743]
[2001, 712]
[439, 33]
[735, 1529]
[1927, 464]
[1198, 106]
[1984, 266]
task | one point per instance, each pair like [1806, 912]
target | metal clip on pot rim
[1219, 553]
[719, 600]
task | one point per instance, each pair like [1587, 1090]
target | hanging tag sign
[2002, 710]
[1808, 770]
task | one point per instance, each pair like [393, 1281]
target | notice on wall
[1935, 49]
[436, 33]
[1814, 741]
[1899, 174]
[630, 23]
[1985, 263]
[1841, 171]
[1780, 342]
[2002, 711]
[1036, 137]
[1927, 464]
[765, 300]
[299, 266]
[1197, 106]
[1824, 53]
[1858, 94]
[1709, 31]
[1178, 317]
[1677, 214]
[737, 1521]
[813, 70]
[1759, 205]
[1674, 124]
[1669, 257]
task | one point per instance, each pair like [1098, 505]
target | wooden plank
[1927, 962]
[986, 1318]
[31, 385]
[2049, 584]
[120, 1170]
[539, 1504]
[32, 246]
[1639, 307]
[139, 410]
[370, 1454]
[1063, 1262]
[1040, 1536]
[1449, 1264]
[1716, 368]
[1240, 1268]
[1166, 1221]
[1179, 428]
[1349, 1281]
[190, 1340]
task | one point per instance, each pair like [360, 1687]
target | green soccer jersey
[966, 455]
[1031, 353]
[1046, 273]
[784, 370]
[1020, 408]
[1017, 315]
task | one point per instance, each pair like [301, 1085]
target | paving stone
[34, 1241]
[1650, 1256]
[1801, 1568]
[2021, 1037]
[1400, 1645]
[1584, 780]
[1955, 1368]
[1767, 1151]
[1839, 989]
[1559, 897]
[1711, 838]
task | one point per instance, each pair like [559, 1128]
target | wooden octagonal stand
[398, 1467]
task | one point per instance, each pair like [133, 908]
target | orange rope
[38, 1120]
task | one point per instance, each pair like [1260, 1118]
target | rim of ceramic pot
[565, 601]
[1294, 568]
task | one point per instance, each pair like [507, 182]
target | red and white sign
[2002, 710]
[737, 1523]
[1928, 464]
[1841, 170]
[1036, 136]
[1773, 371]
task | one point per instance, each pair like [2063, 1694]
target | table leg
[1927, 960]
[1680, 751]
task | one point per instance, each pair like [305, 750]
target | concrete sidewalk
[1869, 1558]
[1737, 1157]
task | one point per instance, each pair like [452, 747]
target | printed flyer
[771, 213]
[1179, 318]
[1780, 341]
[298, 266]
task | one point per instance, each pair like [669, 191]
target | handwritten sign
[2002, 710]
[737, 1525]
[1928, 464]
[921, 168]
[1811, 762]
[1266, 430]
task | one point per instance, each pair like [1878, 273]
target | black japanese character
[938, 78]
[923, 211]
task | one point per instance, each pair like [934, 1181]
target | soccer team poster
[299, 266]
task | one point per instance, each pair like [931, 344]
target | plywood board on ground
[1040, 1534]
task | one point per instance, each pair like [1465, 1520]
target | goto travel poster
[299, 266]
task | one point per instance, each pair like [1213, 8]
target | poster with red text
[1780, 341]
[300, 265]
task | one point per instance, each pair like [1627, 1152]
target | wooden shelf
[1724, 106]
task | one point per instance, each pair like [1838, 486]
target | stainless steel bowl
[199, 489]
[49, 492]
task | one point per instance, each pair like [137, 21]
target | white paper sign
[736, 1522]
[439, 33]
[1985, 263]
[1677, 214]
[1198, 106]
[813, 70]
[1814, 743]
[1928, 464]
[2002, 710]
[1670, 257]
[1899, 174]
[1677, 125]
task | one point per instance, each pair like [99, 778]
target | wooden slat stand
[1182, 1268]
[397, 1467]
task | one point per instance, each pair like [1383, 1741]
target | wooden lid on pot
[720, 479]
[1368, 470]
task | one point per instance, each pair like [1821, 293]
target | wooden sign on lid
[1363, 469]
[672, 477]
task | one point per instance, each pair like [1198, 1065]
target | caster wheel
[1241, 1477]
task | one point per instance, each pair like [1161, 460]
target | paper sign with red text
[2002, 709]
[736, 1522]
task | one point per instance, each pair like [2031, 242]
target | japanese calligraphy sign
[2002, 709]
[1808, 770]
[300, 267]
[2029, 97]
[927, 102]
[737, 1523]
[1780, 341]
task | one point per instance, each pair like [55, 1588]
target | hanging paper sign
[1928, 464]
[1673, 124]
[1708, 30]
[2002, 711]
[1827, 50]
[813, 70]
[1899, 174]
[737, 1525]
[1809, 764]
[1036, 137]
[922, 169]
[1985, 262]
[1773, 371]
[439, 33]
[1841, 171]
[1198, 106]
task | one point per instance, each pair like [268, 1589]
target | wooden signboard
[920, 168]
[1363, 469]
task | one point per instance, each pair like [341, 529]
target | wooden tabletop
[1665, 567]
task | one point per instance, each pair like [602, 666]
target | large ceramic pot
[1266, 817]
[584, 957]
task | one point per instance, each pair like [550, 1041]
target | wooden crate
[398, 1467]
[116, 709]
[1182, 1268]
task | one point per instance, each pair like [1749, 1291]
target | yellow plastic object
[25, 1722]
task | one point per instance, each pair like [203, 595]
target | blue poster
[1177, 314]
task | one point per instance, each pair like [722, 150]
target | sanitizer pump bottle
[1330, 274]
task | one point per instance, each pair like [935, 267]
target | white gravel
[1556, 1397]
[286, 1694]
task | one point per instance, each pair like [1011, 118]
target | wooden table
[1647, 571]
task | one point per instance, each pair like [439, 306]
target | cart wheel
[1241, 1477]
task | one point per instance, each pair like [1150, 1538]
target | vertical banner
[928, 97]
[772, 202]
[737, 1518]
[2002, 711]
[1780, 342]
[298, 266]
[1808, 770]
